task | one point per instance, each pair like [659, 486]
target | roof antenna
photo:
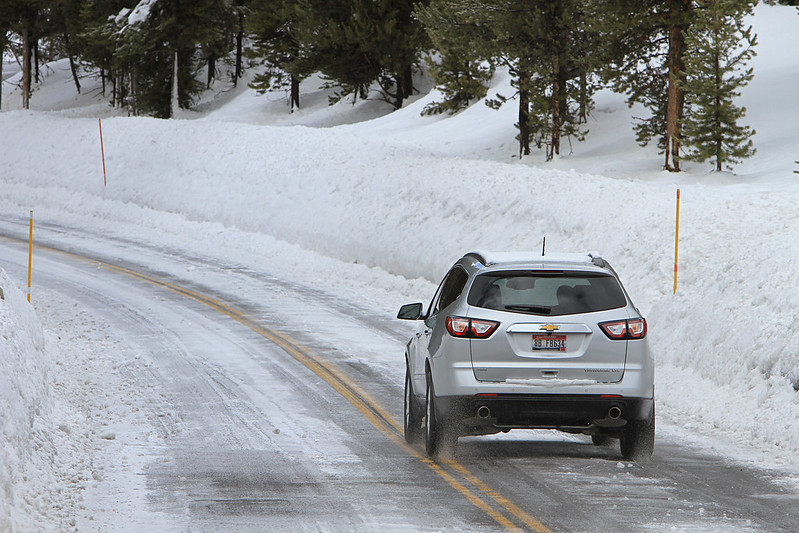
[544, 248]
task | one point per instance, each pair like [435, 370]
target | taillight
[482, 329]
[636, 328]
[469, 328]
[615, 330]
[457, 326]
[619, 330]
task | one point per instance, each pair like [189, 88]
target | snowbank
[27, 453]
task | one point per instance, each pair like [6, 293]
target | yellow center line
[369, 408]
[518, 512]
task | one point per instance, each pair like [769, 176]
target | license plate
[554, 343]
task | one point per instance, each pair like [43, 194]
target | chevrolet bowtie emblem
[549, 327]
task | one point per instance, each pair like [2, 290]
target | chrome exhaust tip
[614, 413]
[483, 412]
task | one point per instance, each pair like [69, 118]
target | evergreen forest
[684, 61]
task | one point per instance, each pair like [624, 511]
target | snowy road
[256, 402]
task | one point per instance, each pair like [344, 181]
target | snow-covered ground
[385, 202]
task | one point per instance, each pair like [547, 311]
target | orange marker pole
[102, 150]
[30, 255]
[676, 241]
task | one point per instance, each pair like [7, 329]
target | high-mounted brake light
[469, 328]
[619, 330]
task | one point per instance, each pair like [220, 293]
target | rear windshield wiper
[536, 309]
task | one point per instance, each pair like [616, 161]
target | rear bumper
[589, 414]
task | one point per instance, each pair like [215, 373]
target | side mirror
[410, 312]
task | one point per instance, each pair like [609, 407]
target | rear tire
[438, 438]
[412, 417]
[637, 440]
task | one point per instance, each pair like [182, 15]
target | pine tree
[355, 43]
[160, 38]
[544, 44]
[562, 95]
[332, 46]
[648, 40]
[719, 46]
[272, 25]
[65, 23]
[240, 11]
[97, 41]
[462, 66]
[400, 39]
[218, 40]
[26, 18]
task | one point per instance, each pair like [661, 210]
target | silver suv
[515, 340]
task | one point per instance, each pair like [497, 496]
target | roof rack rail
[478, 256]
[597, 259]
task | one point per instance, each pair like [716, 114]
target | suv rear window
[547, 293]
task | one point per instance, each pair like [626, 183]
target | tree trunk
[239, 50]
[134, 87]
[211, 71]
[524, 116]
[675, 103]
[72, 67]
[35, 46]
[407, 82]
[3, 44]
[583, 97]
[404, 86]
[175, 100]
[718, 125]
[74, 73]
[556, 99]
[26, 68]
[295, 93]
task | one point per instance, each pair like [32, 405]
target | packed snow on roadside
[395, 198]
[27, 452]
